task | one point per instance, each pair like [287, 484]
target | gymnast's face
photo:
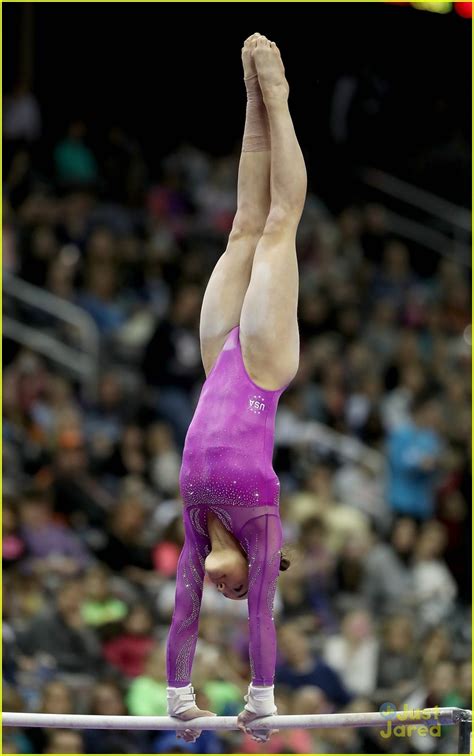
[228, 570]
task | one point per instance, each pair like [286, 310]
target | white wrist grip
[260, 701]
[180, 700]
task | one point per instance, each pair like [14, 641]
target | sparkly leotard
[227, 469]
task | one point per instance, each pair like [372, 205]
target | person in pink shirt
[250, 351]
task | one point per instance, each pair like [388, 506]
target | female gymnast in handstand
[250, 351]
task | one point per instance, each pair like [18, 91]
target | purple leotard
[227, 469]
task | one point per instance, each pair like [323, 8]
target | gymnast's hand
[191, 735]
[260, 736]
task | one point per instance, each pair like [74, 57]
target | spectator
[147, 693]
[124, 545]
[64, 741]
[165, 461]
[53, 549]
[129, 649]
[57, 698]
[100, 607]
[388, 578]
[75, 162]
[435, 589]
[22, 116]
[299, 666]
[108, 701]
[62, 634]
[397, 665]
[414, 455]
[172, 361]
[353, 653]
[13, 545]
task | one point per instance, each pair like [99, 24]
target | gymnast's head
[227, 568]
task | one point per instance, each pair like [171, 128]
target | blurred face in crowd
[35, 513]
[396, 260]
[97, 585]
[309, 700]
[413, 378]
[110, 391]
[65, 741]
[160, 438]
[432, 541]
[101, 246]
[293, 644]
[70, 597]
[139, 621]
[129, 518]
[428, 415]
[437, 645]
[102, 280]
[404, 535]
[442, 679]
[357, 626]
[398, 634]
[57, 698]
[107, 700]
[313, 533]
[320, 480]
[71, 457]
[132, 437]
[44, 243]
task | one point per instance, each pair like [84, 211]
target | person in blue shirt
[413, 452]
[300, 666]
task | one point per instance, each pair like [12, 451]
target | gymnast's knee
[282, 220]
[247, 223]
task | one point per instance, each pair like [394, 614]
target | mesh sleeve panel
[183, 632]
[262, 540]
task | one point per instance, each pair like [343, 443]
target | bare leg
[268, 322]
[225, 292]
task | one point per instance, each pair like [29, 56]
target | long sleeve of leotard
[183, 632]
[262, 540]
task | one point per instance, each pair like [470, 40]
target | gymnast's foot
[271, 72]
[191, 735]
[247, 58]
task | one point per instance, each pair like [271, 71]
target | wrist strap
[180, 699]
[260, 701]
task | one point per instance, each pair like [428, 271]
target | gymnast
[250, 352]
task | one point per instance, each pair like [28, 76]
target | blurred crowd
[375, 606]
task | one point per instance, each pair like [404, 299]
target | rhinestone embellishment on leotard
[183, 661]
[224, 517]
[272, 587]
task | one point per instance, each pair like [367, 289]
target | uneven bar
[444, 716]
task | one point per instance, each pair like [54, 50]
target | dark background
[170, 72]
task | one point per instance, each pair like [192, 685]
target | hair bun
[284, 562]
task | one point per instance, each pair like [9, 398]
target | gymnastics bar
[443, 716]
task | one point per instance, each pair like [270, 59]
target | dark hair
[284, 562]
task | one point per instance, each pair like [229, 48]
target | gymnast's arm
[262, 538]
[183, 632]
